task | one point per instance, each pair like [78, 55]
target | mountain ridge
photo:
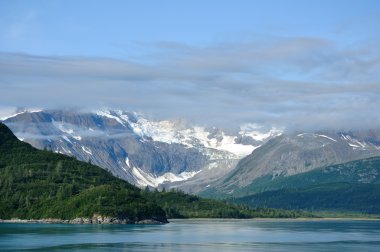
[40, 185]
[37, 184]
[146, 153]
[289, 155]
[169, 154]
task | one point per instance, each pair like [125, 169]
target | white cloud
[293, 82]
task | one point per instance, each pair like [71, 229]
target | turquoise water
[196, 235]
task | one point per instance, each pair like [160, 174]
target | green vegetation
[362, 198]
[364, 171]
[36, 184]
[345, 214]
[349, 187]
[181, 205]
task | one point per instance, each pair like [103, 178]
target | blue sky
[269, 62]
[119, 29]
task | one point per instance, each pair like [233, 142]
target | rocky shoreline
[94, 220]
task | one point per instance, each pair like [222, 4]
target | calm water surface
[196, 235]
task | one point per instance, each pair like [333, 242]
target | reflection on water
[196, 235]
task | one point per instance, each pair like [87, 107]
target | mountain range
[353, 186]
[291, 154]
[143, 152]
[243, 166]
[42, 186]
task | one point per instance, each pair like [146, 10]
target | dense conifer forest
[37, 184]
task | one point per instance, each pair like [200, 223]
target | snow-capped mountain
[194, 137]
[144, 152]
[291, 154]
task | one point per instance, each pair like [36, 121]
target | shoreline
[285, 219]
[111, 221]
[92, 221]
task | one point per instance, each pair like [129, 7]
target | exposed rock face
[288, 155]
[146, 153]
[96, 219]
[104, 142]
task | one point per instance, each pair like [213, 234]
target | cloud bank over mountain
[297, 83]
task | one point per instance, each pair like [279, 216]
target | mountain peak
[133, 147]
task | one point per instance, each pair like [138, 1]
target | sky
[283, 63]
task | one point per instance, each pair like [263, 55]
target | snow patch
[147, 179]
[125, 169]
[254, 131]
[354, 143]
[79, 138]
[19, 113]
[332, 139]
[65, 151]
[107, 113]
[195, 137]
[344, 137]
[61, 127]
[221, 142]
[66, 138]
[143, 178]
[87, 150]
[212, 165]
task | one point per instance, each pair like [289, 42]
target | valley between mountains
[45, 187]
[331, 171]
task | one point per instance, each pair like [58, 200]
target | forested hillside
[36, 184]
[348, 187]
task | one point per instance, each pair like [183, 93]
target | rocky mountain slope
[36, 184]
[41, 186]
[292, 154]
[143, 152]
[352, 186]
[173, 154]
